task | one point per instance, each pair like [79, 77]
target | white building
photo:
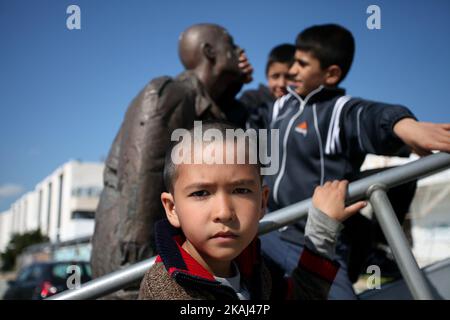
[62, 205]
[5, 229]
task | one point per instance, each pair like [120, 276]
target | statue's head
[211, 48]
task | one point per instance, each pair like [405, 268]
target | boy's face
[306, 73]
[277, 78]
[218, 207]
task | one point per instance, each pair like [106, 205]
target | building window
[58, 228]
[83, 214]
[88, 192]
[49, 207]
[40, 209]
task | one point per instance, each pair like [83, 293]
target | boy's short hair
[170, 168]
[283, 53]
[330, 44]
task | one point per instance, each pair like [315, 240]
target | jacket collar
[320, 94]
[177, 261]
[203, 101]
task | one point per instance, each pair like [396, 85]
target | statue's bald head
[193, 39]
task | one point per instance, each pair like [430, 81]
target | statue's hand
[245, 67]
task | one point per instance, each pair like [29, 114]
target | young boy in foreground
[208, 247]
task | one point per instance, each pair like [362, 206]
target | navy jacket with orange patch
[326, 136]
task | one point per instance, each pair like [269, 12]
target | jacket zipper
[319, 138]
[286, 136]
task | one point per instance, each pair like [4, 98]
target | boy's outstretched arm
[316, 270]
[423, 137]
[387, 129]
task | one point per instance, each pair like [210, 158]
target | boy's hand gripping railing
[372, 187]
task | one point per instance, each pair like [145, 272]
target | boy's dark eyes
[275, 76]
[302, 63]
[242, 190]
[200, 193]
[204, 193]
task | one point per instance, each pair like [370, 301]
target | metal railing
[372, 188]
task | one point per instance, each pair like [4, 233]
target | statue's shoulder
[165, 86]
[157, 85]
[149, 96]
[161, 94]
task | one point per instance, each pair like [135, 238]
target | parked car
[43, 279]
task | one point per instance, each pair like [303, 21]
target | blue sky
[63, 93]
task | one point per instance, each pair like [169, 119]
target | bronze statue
[130, 202]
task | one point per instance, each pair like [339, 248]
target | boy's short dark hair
[330, 44]
[284, 53]
[170, 169]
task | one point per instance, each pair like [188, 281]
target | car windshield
[24, 274]
[64, 270]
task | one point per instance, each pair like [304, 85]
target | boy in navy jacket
[326, 134]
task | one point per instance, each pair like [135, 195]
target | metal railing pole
[396, 176]
[357, 190]
[413, 276]
[275, 220]
[107, 284]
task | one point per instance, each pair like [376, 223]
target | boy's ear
[169, 206]
[264, 200]
[333, 75]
